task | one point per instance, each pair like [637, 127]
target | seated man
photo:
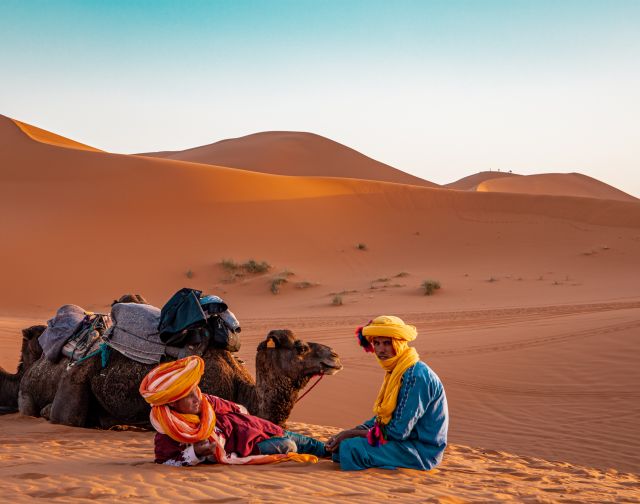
[409, 428]
[193, 427]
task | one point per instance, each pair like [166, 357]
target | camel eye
[302, 347]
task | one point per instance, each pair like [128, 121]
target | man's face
[189, 405]
[383, 347]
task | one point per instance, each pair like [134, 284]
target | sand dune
[293, 153]
[560, 184]
[86, 226]
[44, 461]
[471, 182]
[534, 331]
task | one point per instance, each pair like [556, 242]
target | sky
[438, 89]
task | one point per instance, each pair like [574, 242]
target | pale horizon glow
[438, 89]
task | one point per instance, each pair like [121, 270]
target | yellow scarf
[395, 367]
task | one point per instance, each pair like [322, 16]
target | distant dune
[470, 182]
[559, 184]
[293, 153]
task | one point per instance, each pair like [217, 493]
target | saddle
[186, 325]
[73, 332]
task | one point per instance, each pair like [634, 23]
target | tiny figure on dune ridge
[409, 428]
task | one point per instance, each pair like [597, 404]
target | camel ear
[271, 343]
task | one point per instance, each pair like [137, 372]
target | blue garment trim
[408, 386]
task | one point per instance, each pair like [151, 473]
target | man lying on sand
[411, 419]
[194, 427]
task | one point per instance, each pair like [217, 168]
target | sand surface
[535, 331]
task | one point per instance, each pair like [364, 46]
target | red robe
[241, 431]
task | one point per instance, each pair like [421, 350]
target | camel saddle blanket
[87, 337]
[135, 332]
[59, 329]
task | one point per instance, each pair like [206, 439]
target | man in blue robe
[409, 428]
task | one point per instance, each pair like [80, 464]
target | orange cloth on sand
[172, 381]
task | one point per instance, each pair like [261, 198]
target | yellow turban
[390, 327]
[171, 381]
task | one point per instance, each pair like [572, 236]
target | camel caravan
[84, 369]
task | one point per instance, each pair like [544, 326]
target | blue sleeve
[369, 423]
[413, 399]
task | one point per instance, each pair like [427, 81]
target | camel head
[281, 352]
[130, 298]
[31, 349]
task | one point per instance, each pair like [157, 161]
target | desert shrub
[402, 274]
[255, 267]
[276, 283]
[305, 285]
[189, 274]
[337, 300]
[430, 286]
[361, 246]
[230, 265]
[492, 279]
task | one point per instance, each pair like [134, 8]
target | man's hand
[333, 443]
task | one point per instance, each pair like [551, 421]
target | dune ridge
[44, 136]
[293, 153]
[471, 182]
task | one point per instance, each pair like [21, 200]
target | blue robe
[416, 433]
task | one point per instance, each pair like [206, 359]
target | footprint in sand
[32, 476]
[47, 494]
[195, 480]
[219, 501]
[269, 486]
[405, 490]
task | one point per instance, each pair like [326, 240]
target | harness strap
[311, 388]
[104, 350]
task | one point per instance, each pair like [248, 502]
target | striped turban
[170, 382]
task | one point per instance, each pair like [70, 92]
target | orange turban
[171, 381]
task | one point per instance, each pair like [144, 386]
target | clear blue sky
[440, 89]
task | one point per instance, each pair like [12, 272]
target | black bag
[222, 337]
[182, 311]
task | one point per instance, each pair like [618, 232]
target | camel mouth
[331, 367]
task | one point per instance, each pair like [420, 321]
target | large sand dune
[293, 153]
[534, 331]
[560, 184]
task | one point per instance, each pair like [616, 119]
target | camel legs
[73, 395]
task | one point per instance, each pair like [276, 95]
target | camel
[284, 365]
[89, 395]
[37, 398]
[29, 353]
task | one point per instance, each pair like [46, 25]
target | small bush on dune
[430, 286]
[276, 283]
[305, 285]
[230, 265]
[254, 267]
[337, 300]
[361, 246]
[189, 274]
